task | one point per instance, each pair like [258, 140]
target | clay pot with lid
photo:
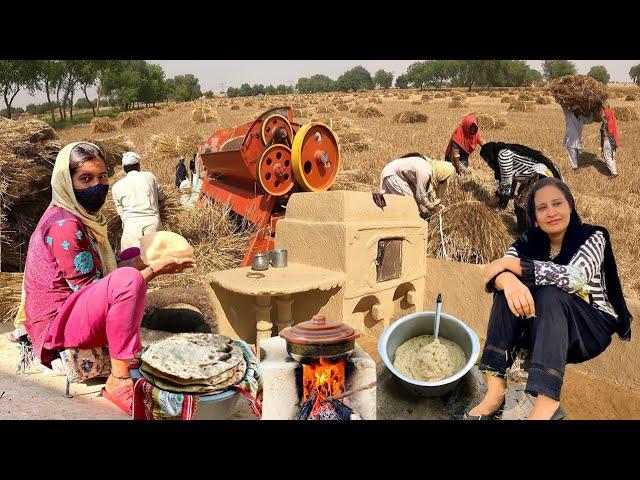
[318, 338]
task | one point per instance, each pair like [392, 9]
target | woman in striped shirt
[557, 294]
[516, 167]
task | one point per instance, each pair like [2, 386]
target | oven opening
[389, 259]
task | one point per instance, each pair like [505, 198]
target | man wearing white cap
[137, 198]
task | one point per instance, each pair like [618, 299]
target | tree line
[126, 84]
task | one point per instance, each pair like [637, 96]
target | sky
[218, 75]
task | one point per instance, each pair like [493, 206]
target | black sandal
[492, 416]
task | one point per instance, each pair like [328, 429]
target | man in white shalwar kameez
[137, 199]
[573, 136]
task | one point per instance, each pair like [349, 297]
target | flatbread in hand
[157, 245]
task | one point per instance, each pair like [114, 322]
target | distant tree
[284, 89]
[245, 90]
[15, 112]
[209, 94]
[634, 73]
[50, 74]
[553, 69]
[358, 78]
[232, 92]
[402, 81]
[599, 72]
[121, 86]
[258, 89]
[83, 103]
[383, 79]
[270, 90]
[16, 75]
[185, 88]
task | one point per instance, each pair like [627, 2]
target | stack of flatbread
[203, 363]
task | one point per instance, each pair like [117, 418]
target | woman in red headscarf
[609, 140]
[464, 141]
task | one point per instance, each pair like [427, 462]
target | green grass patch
[78, 118]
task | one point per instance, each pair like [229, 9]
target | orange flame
[325, 378]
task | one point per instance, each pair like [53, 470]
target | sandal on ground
[121, 398]
[559, 414]
[492, 416]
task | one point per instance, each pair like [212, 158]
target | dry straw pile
[519, 106]
[113, 148]
[102, 125]
[410, 116]
[369, 112]
[467, 230]
[204, 114]
[580, 93]
[10, 293]
[28, 151]
[167, 146]
[490, 122]
[630, 98]
[457, 103]
[133, 120]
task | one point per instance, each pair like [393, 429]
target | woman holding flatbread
[76, 292]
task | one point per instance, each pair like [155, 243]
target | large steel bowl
[421, 323]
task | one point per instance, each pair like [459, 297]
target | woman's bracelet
[153, 272]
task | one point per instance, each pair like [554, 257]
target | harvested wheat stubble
[102, 125]
[456, 103]
[625, 114]
[350, 137]
[352, 180]
[580, 93]
[10, 293]
[519, 106]
[410, 116]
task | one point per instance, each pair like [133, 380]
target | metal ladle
[436, 325]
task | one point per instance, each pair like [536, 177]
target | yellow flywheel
[315, 157]
[271, 125]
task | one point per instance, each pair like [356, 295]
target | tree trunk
[84, 89]
[99, 95]
[53, 110]
[71, 106]
[6, 101]
[58, 99]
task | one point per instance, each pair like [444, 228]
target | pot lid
[318, 331]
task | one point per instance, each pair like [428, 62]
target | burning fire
[323, 379]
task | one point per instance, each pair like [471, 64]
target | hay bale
[457, 103]
[154, 112]
[425, 98]
[354, 180]
[507, 99]
[439, 95]
[235, 107]
[630, 98]
[494, 94]
[248, 104]
[102, 125]
[410, 116]
[489, 122]
[525, 97]
[542, 100]
[204, 115]
[519, 106]
[370, 112]
[342, 107]
[132, 121]
[625, 114]
[472, 232]
[113, 148]
[170, 147]
[580, 93]
[350, 137]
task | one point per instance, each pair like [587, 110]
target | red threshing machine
[257, 166]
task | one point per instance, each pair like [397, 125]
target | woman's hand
[165, 266]
[492, 269]
[518, 296]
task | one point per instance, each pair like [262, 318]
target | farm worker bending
[518, 167]
[137, 198]
[181, 172]
[464, 141]
[420, 177]
[76, 292]
[573, 136]
[609, 140]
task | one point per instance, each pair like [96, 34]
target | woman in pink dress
[77, 293]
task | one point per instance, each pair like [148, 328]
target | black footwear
[493, 416]
[559, 414]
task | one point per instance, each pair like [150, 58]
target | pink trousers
[107, 312]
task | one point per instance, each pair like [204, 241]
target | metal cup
[279, 258]
[260, 262]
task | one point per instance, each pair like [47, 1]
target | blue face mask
[92, 198]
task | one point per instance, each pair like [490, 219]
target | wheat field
[612, 203]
